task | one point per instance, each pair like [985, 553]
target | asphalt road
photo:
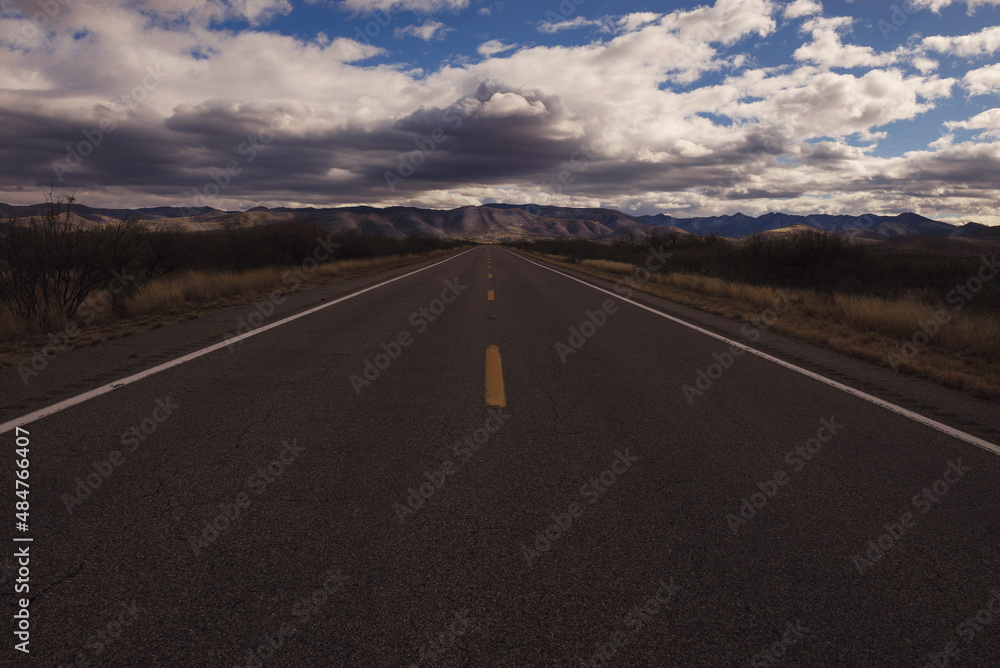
[273, 505]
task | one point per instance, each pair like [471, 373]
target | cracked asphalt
[264, 508]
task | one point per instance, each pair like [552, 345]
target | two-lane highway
[362, 486]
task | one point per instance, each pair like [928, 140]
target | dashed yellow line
[495, 395]
[489, 295]
[489, 275]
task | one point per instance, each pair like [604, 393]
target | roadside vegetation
[903, 312]
[102, 280]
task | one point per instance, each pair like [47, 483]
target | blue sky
[683, 108]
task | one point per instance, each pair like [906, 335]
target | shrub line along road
[584, 512]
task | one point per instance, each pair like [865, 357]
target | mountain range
[867, 226]
[507, 222]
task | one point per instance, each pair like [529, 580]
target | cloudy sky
[675, 107]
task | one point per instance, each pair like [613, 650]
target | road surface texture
[335, 490]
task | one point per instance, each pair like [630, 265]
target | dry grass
[755, 295]
[606, 265]
[183, 296]
[964, 353]
[200, 287]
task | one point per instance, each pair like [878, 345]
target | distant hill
[915, 244]
[86, 214]
[868, 226]
[977, 231]
[485, 223]
[508, 222]
[797, 228]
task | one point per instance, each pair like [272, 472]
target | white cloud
[637, 20]
[826, 47]
[571, 24]
[199, 12]
[726, 22]
[504, 105]
[255, 11]
[427, 31]
[661, 136]
[493, 47]
[988, 120]
[938, 5]
[259, 11]
[924, 64]
[491, 9]
[983, 81]
[801, 8]
[426, 6]
[346, 50]
[984, 42]
[814, 103]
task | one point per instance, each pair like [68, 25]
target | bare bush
[50, 266]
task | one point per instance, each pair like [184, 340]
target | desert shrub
[809, 260]
[49, 266]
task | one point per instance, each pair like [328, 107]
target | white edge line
[114, 385]
[899, 410]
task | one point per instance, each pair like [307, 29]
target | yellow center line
[489, 275]
[495, 395]
[489, 295]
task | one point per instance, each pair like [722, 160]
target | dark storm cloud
[254, 150]
[262, 143]
[767, 141]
